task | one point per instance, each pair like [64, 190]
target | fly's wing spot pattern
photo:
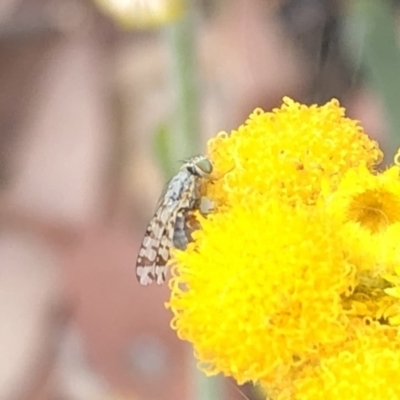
[163, 253]
[161, 273]
[145, 275]
[151, 254]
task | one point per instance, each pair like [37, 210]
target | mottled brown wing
[151, 264]
[179, 195]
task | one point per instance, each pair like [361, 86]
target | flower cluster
[293, 281]
[139, 14]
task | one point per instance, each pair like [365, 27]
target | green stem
[204, 387]
[184, 137]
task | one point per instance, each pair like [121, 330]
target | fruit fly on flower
[167, 228]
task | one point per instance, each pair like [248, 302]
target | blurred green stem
[370, 33]
[183, 138]
[184, 132]
[204, 388]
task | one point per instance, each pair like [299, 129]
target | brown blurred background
[80, 101]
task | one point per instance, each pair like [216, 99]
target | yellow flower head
[270, 287]
[372, 201]
[288, 153]
[366, 367]
[368, 206]
[260, 290]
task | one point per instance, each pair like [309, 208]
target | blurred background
[99, 100]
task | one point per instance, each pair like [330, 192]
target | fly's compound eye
[205, 166]
[201, 167]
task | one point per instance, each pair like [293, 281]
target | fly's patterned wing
[168, 226]
[153, 255]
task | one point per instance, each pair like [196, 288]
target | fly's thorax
[182, 182]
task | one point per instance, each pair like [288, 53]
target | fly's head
[199, 166]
